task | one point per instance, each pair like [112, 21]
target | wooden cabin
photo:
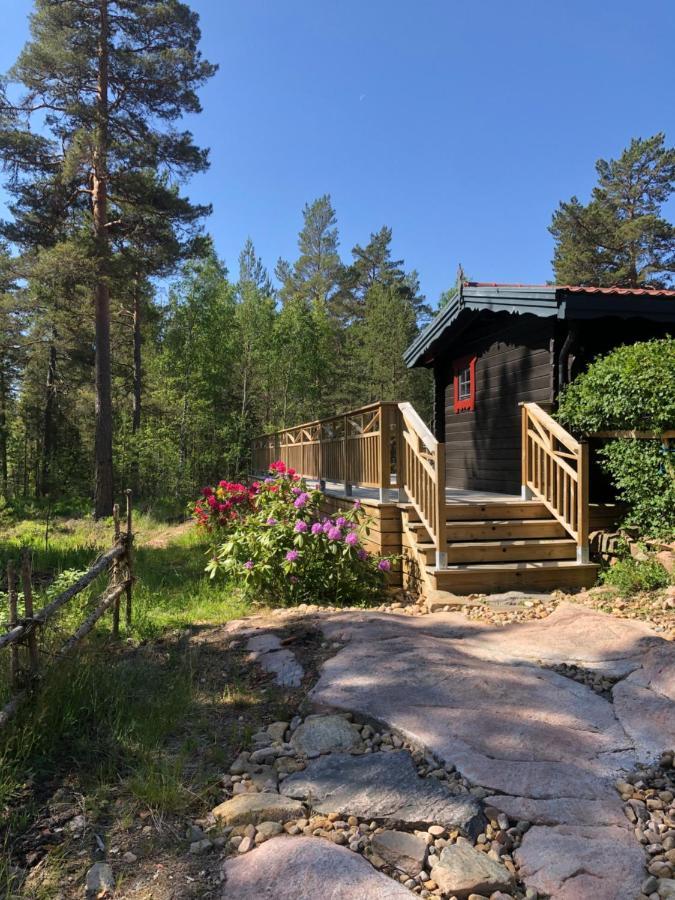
[495, 346]
[496, 495]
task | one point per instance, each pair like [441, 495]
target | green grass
[108, 716]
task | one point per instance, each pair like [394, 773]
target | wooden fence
[21, 639]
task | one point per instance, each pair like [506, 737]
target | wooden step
[497, 509]
[511, 550]
[504, 529]
[490, 578]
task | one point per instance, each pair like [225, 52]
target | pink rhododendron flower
[301, 500]
[334, 534]
[340, 521]
[207, 491]
[248, 564]
[357, 504]
[292, 555]
[271, 521]
[212, 501]
[384, 565]
[300, 526]
[362, 554]
[317, 528]
[352, 539]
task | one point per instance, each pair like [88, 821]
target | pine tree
[109, 77]
[315, 274]
[620, 237]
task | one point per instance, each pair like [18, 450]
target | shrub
[632, 575]
[277, 542]
[633, 387]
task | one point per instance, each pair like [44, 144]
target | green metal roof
[539, 300]
[563, 301]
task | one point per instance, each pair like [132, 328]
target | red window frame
[458, 366]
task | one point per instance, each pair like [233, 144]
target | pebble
[129, 857]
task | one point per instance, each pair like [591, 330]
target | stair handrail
[555, 472]
[422, 476]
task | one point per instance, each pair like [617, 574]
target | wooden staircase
[496, 546]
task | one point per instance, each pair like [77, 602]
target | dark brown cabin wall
[513, 365]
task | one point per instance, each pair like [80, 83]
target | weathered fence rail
[21, 638]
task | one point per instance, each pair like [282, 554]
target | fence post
[129, 558]
[31, 640]
[116, 573]
[13, 650]
[582, 501]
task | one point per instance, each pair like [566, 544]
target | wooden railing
[356, 447]
[382, 445]
[555, 471]
[423, 477]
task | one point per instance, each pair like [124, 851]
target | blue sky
[459, 124]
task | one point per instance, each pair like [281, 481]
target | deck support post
[322, 485]
[526, 493]
[441, 560]
[345, 459]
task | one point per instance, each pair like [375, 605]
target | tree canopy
[620, 237]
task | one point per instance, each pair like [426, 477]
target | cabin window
[464, 380]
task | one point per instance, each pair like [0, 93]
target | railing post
[525, 491]
[582, 501]
[345, 459]
[441, 545]
[385, 450]
[400, 457]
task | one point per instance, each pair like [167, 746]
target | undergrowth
[104, 717]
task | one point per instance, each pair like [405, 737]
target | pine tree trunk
[103, 502]
[48, 437]
[3, 434]
[138, 372]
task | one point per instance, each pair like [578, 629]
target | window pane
[464, 384]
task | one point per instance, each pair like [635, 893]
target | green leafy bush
[633, 575]
[632, 388]
[273, 539]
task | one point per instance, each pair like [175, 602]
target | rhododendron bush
[273, 537]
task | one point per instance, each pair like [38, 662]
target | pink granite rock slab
[582, 863]
[306, 868]
[562, 811]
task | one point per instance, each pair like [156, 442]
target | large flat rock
[486, 700]
[574, 862]
[383, 786]
[305, 868]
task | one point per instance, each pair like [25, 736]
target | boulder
[325, 734]
[402, 850]
[462, 870]
[305, 868]
[245, 809]
[100, 881]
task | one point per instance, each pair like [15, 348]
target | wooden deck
[461, 541]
